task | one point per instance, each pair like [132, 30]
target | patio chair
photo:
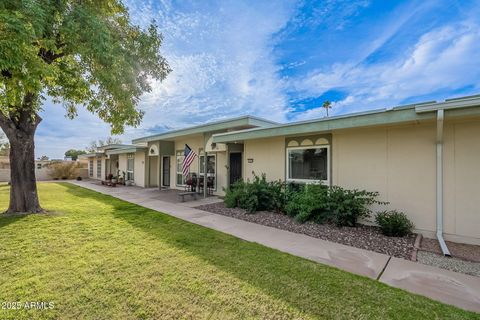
[191, 182]
[210, 184]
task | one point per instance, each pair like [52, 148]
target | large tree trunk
[20, 130]
[23, 192]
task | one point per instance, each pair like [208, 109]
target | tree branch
[6, 74]
[6, 124]
[49, 56]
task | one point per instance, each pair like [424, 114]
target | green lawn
[97, 257]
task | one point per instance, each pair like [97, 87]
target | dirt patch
[364, 237]
[468, 252]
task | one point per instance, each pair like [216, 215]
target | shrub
[63, 170]
[309, 202]
[394, 223]
[348, 206]
[331, 204]
[233, 193]
[256, 195]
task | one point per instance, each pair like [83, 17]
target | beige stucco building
[423, 159]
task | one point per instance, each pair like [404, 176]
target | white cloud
[222, 63]
[221, 56]
[445, 58]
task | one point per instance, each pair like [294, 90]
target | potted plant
[114, 179]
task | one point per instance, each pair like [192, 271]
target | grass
[98, 257]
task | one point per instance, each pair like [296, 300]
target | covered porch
[215, 167]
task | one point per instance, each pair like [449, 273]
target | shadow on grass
[6, 219]
[307, 286]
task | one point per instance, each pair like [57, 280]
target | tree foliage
[327, 105]
[72, 153]
[79, 53]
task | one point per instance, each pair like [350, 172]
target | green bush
[233, 193]
[257, 195]
[309, 202]
[331, 204]
[394, 223]
[348, 206]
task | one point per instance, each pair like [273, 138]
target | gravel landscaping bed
[462, 251]
[449, 263]
[364, 237]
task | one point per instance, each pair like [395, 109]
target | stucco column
[205, 155]
[205, 187]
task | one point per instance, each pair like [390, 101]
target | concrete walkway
[446, 286]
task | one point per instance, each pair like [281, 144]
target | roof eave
[367, 119]
[209, 127]
[125, 150]
[91, 155]
[449, 104]
[325, 125]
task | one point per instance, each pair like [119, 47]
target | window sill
[310, 181]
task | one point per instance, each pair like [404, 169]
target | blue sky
[282, 59]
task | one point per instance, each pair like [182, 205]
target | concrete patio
[446, 286]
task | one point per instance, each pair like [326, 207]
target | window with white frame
[211, 168]
[180, 181]
[308, 164]
[99, 168]
[90, 168]
[130, 166]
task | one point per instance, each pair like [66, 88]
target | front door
[235, 167]
[166, 171]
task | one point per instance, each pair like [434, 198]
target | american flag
[187, 160]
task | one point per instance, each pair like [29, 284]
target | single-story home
[424, 159]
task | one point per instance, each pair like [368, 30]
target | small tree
[327, 105]
[72, 153]
[79, 53]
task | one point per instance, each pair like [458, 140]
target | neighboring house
[422, 158]
[117, 159]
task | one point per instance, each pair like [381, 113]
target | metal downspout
[441, 241]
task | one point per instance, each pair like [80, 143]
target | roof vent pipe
[441, 241]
